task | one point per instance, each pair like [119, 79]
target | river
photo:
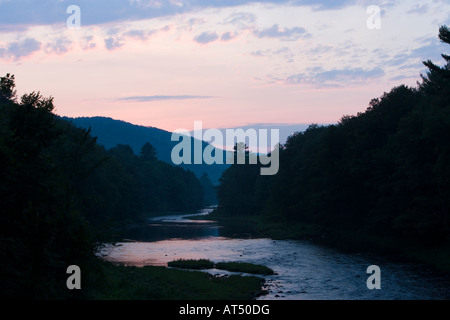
[303, 270]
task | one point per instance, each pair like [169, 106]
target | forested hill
[61, 192]
[110, 132]
[384, 172]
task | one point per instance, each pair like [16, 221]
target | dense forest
[61, 192]
[383, 172]
[111, 132]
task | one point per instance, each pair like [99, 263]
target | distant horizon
[286, 129]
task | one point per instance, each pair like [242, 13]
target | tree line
[385, 171]
[61, 193]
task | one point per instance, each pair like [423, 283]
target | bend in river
[303, 270]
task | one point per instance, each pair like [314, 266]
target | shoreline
[436, 257]
[119, 282]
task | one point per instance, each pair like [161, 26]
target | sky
[227, 63]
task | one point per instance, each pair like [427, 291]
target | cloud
[336, 77]
[283, 52]
[20, 49]
[196, 21]
[419, 9]
[241, 19]
[87, 43]
[326, 4]
[49, 12]
[404, 77]
[316, 4]
[282, 33]
[227, 36]
[259, 53]
[5, 28]
[431, 50]
[206, 37]
[191, 24]
[139, 34]
[113, 43]
[397, 60]
[58, 46]
[144, 34]
[160, 98]
[147, 3]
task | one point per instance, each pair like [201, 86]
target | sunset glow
[166, 64]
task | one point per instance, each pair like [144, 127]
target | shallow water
[304, 271]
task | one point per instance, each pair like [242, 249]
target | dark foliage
[60, 192]
[112, 132]
[385, 171]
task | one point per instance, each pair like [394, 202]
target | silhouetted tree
[61, 193]
[381, 172]
[148, 152]
[209, 192]
[7, 88]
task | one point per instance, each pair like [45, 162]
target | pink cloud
[19, 49]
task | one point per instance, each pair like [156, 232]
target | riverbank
[437, 257]
[303, 270]
[205, 264]
[113, 282]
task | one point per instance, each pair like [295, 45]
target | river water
[303, 270]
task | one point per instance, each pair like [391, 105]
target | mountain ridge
[111, 132]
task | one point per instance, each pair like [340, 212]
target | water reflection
[173, 227]
[303, 270]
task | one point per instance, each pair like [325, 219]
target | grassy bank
[160, 283]
[229, 266]
[200, 264]
[245, 267]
